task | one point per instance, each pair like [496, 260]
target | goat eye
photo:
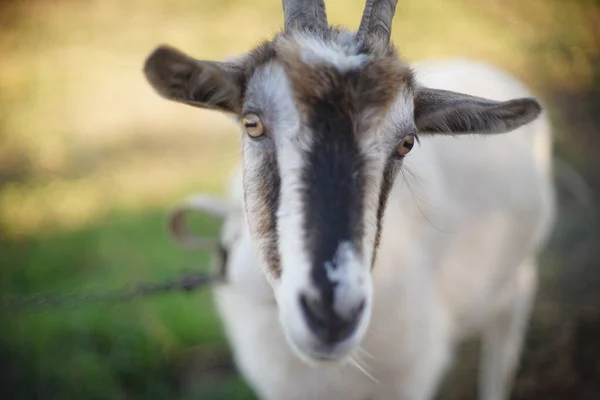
[405, 145]
[253, 125]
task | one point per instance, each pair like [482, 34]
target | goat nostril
[313, 311]
[326, 324]
[359, 310]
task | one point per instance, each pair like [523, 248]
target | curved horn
[177, 226]
[304, 13]
[377, 19]
[180, 233]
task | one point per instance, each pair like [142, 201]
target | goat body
[457, 258]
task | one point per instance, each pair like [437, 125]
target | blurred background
[91, 161]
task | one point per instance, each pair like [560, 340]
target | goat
[354, 264]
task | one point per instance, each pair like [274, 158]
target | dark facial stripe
[266, 217]
[389, 174]
[334, 181]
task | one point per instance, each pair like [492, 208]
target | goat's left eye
[253, 125]
[406, 145]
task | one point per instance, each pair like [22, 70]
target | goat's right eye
[253, 125]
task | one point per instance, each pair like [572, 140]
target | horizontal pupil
[408, 145]
[251, 124]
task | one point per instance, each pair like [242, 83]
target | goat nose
[326, 324]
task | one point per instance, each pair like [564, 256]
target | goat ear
[205, 84]
[442, 111]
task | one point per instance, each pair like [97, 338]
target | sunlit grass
[71, 85]
[132, 177]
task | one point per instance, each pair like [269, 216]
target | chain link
[186, 282]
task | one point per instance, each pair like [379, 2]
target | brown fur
[264, 214]
[372, 88]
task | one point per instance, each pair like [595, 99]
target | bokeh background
[91, 161]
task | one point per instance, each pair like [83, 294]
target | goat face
[328, 116]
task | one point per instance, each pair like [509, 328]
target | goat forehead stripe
[334, 180]
[369, 80]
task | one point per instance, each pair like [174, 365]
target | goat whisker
[362, 369]
[366, 353]
[416, 200]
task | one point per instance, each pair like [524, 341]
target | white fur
[349, 292]
[457, 258]
[341, 53]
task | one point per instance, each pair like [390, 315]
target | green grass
[102, 351]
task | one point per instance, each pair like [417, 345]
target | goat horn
[198, 203]
[182, 235]
[304, 13]
[377, 19]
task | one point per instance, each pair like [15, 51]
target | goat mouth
[318, 353]
[324, 357]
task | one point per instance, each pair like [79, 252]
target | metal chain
[187, 282]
